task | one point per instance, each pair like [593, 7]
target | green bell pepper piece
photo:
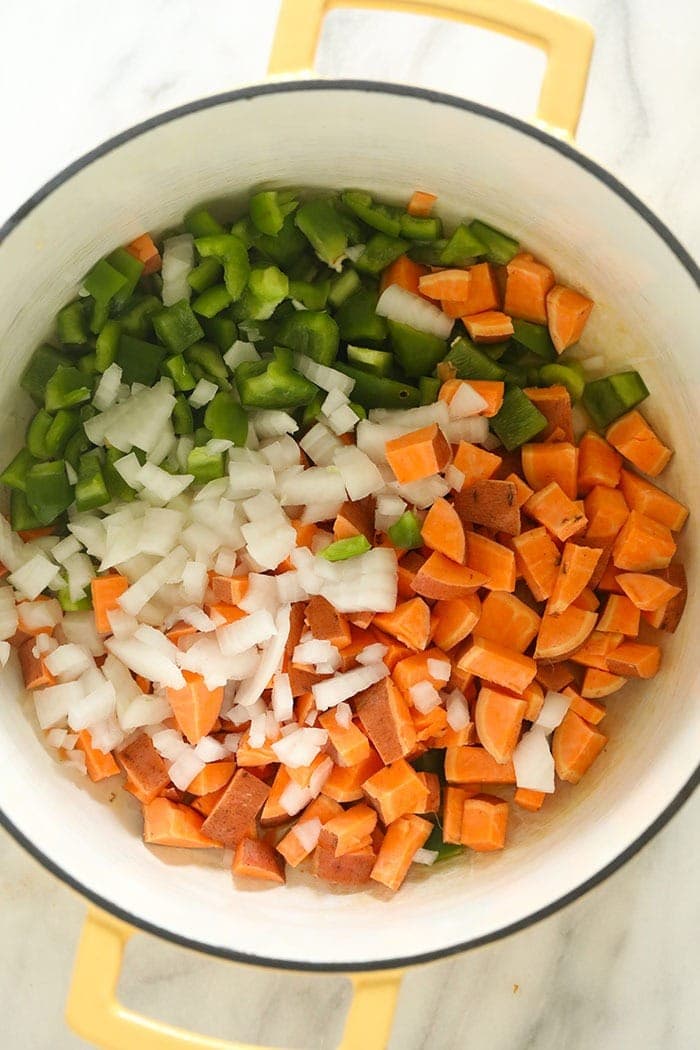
[107, 345]
[68, 605]
[380, 251]
[271, 384]
[212, 301]
[233, 254]
[358, 410]
[313, 333]
[444, 850]
[267, 287]
[323, 227]
[428, 252]
[269, 208]
[470, 361]
[36, 434]
[462, 248]
[358, 321]
[201, 436]
[285, 248]
[312, 411]
[226, 419]
[313, 295]
[205, 275]
[342, 287]
[183, 419]
[15, 473]
[607, 399]
[220, 330]
[21, 515]
[176, 368]
[500, 248]
[517, 421]
[41, 366]
[405, 533]
[177, 327]
[379, 216]
[71, 325]
[377, 392]
[206, 362]
[63, 426]
[245, 231]
[341, 550]
[116, 486]
[416, 352]
[418, 228]
[535, 337]
[90, 489]
[201, 223]
[139, 361]
[131, 270]
[205, 465]
[75, 447]
[48, 491]
[66, 388]
[87, 364]
[102, 282]
[136, 319]
[429, 388]
[378, 362]
[571, 378]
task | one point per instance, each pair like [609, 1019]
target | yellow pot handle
[94, 1012]
[567, 42]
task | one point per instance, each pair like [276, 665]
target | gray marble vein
[618, 969]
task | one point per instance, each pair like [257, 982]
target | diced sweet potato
[491, 503]
[146, 772]
[386, 719]
[255, 859]
[240, 804]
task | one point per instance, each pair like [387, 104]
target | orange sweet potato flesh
[567, 313]
[529, 799]
[240, 804]
[452, 812]
[474, 765]
[421, 204]
[492, 560]
[404, 272]
[454, 619]
[409, 622]
[575, 572]
[168, 823]
[498, 718]
[106, 592]
[635, 660]
[432, 785]
[345, 783]
[386, 719]
[413, 669]
[484, 823]
[144, 249]
[482, 293]
[195, 707]
[290, 846]
[607, 512]
[497, 663]
[273, 813]
[598, 463]
[491, 326]
[491, 503]
[355, 518]
[403, 837]
[587, 708]
[648, 499]
[450, 284]
[353, 869]
[229, 589]
[555, 676]
[554, 402]
[634, 439]
[598, 684]
[349, 745]
[442, 531]
[255, 859]
[649, 593]
[352, 828]
[551, 461]
[35, 673]
[477, 464]
[559, 514]
[643, 545]
[668, 617]
[575, 746]
[439, 577]
[595, 650]
[419, 454]
[395, 791]
[527, 284]
[146, 772]
[560, 636]
[326, 623]
[213, 777]
[537, 558]
[505, 616]
[99, 764]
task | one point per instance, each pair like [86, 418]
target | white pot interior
[647, 316]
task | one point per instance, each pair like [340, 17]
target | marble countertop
[614, 971]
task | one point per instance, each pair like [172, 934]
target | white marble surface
[618, 969]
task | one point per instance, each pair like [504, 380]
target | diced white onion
[423, 493]
[455, 478]
[178, 261]
[5, 651]
[53, 703]
[372, 654]
[553, 710]
[146, 661]
[68, 662]
[307, 833]
[440, 670]
[475, 430]
[425, 697]
[282, 699]
[240, 352]
[194, 581]
[252, 630]
[400, 305]
[160, 530]
[210, 750]
[300, 748]
[185, 768]
[333, 691]
[272, 422]
[144, 711]
[80, 573]
[34, 576]
[162, 485]
[252, 688]
[359, 474]
[169, 570]
[64, 548]
[466, 402]
[533, 762]
[315, 485]
[320, 444]
[107, 390]
[79, 627]
[323, 376]
[343, 714]
[458, 716]
[203, 393]
[97, 705]
[425, 856]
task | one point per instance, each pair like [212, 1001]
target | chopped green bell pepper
[136, 319]
[313, 333]
[71, 324]
[267, 287]
[535, 337]
[565, 375]
[380, 217]
[107, 345]
[131, 270]
[429, 388]
[116, 486]
[36, 434]
[378, 362]
[322, 226]
[312, 411]
[517, 421]
[220, 330]
[206, 466]
[48, 491]
[372, 391]
[183, 419]
[462, 248]
[226, 419]
[470, 361]
[233, 254]
[63, 426]
[418, 228]
[350, 547]
[66, 388]
[271, 384]
[68, 605]
[432, 761]
[416, 352]
[205, 362]
[201, 223]
[312, 294]
[342, 287]
[285, 248]
[41, 366]
[176, 368]
[269, 208]
[428, 252]
[405, 533]
[15, 473]
[75, 447]
[177, 327]
[87, 364]
[380, 251]
[205, 275]
[90, 489]
[500, 248]
[21, 515]
[444, 850]
[103, 282]
[607, 399]
[212, 301]
[358, 321]
[139, 361]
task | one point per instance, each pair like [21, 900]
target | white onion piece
[146, 661]
[466, 402]
[320, 444]
[295, 798]
[194, 581]
[80, 573]
[261, 594]
[458, 716]
[106, 735]
[272, 422]
[64, 548]
[144, 710]
[53, 703]
[367, 583]
[76, 759]
[246, 478]
[282, 699]
[210, 750]
[5, 651]
[203, 393]
[161, 529]
[36, 616]
[475, 430]
[169, 570]
[342, 420]
[281, 453]
[315, 651]
[454, 478]
[307, 832]
[412, 418]
[178, 261]
[252, 630]
[301, 747]
[34, 576]
[94, 707]
[440, 670]
[315, 512]
[327, 378]
[359, 474]
[56, 737]
[252, 688]
[423, 493]
[107, 390]
[185, 768]
[315, 485]
[290, 589]
[425, 856]
[424, 697]
[79, 627]
[553, 710]
[169, 744]
[400, 305]
[372, 654]
[161, 485]
[533, 762]
[91, 532]
[129, 470]
[343, 715]
[68, 662]
[13, 552]
[333, 691]
[239, 352]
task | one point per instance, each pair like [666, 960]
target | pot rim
[685, 259]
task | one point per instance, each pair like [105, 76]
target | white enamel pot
[595, 234]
